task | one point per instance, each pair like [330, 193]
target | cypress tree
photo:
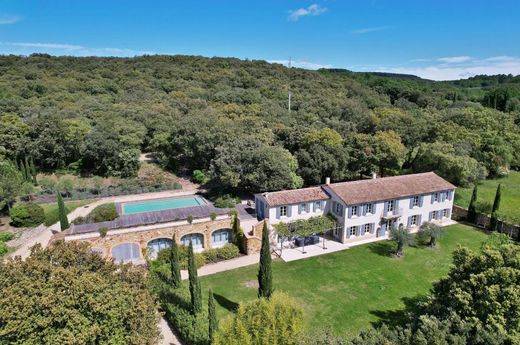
[212, 316]
[28, 174]
[33, 171]
[237, 234]
[175, 267]
[23, 170]
[472, 211]
[265, 274]
[195, 293]
[494, 211]
[64, 221]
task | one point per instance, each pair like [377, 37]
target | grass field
[351, 289]
[510, 203]
[51, 210]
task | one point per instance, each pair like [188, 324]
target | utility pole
[289, 103]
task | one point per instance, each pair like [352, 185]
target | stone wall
[104, 245]
[483, 220]
[254, 238]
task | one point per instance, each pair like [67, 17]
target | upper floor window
[354, 210]
[415, 201]
[391, 206]
[283, 211]
[338, 208]
[352, 231]
[369, 208]
[435, 197]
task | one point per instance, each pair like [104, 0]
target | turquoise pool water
[160, 204]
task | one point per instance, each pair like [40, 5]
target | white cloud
[312, 10]
[367, 30]
[455, 59]
[25, 48]
[301, 64]
[489, 66]
[9, 19]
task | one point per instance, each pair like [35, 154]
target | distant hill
[379, 74]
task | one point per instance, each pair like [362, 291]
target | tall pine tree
[493, 224]
[265, 274]
[175, 266]
[472, 209]
[212, 316]
[62, 212]
[195, 293]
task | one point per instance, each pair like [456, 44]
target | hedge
[27, 214]
[229, 251]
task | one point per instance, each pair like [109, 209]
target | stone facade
[104, 245]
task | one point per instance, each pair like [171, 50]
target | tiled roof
[295, 196]
[357, 192]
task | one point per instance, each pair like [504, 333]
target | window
[317, 206]
[338, 208]
[445, 213]
[283, 211]
[369, 208]
[158, 244]
[413, 220]
[367, 228]
[435, 197]
[391, 205]
[126, 252]
[352, 231]
[221, 237]
[354, 210]
[197, 240]
[303, 208]
[415, 201]
[434, 214]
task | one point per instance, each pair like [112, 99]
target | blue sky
[433, 39]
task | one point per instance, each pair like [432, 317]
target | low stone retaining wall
[483, 220]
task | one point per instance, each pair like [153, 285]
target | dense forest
[229, 119]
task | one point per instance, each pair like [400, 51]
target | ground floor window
[197, 240]
[158, 244]
[434, 215]
[445, 213]
[352, 231]
[413, 220]
[367, 228]
[221, 237]
[126, 252]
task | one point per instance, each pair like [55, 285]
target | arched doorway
[220, 237]
[126, 252]
[197, 241]
[158, 244]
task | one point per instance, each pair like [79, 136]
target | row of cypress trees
[472, 209]
[28, 170]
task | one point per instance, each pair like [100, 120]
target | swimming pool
[160, 204]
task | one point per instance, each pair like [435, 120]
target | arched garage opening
[126, 252]
[197, 241]
[158, 244]
[220, 237]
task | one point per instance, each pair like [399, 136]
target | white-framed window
[415, 201]
[445, 213]
[391, 205]
[283, 211]
[434, 214]
[338, 208]
[317, 206]
[413, 220]
[435, 197]
[303, 208]
[366, 227]
[369, 208]
[354, 210]
[352, 231]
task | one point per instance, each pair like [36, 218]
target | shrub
[103, 231]
[79, 220]
[199, 177]
[164, 257]
[213, 216]
[103, 213]
[189, 219]
[6, 236]
[226, 252]
[27, 214]
[226, 201]
[4, 249]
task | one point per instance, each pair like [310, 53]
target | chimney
[327, 180]
[374, 175]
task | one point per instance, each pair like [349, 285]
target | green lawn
[352, 289]
[510, 203]
[51, 210]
